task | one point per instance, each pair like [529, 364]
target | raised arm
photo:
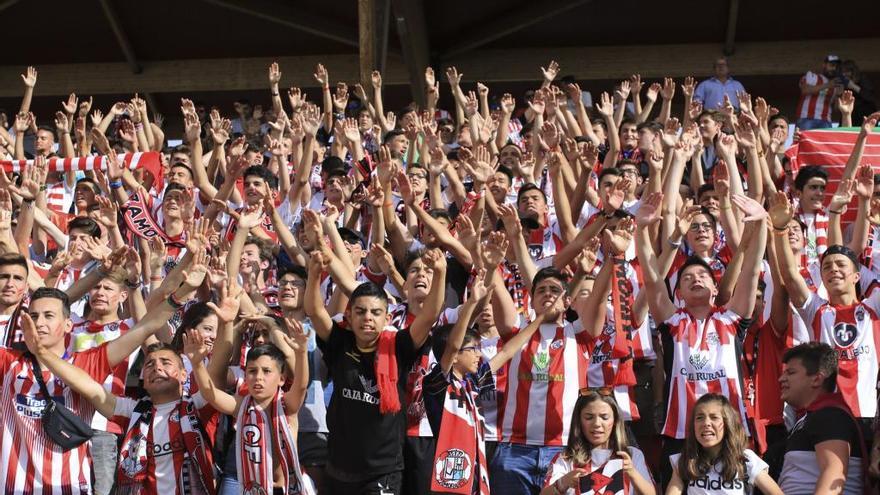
[421, 326]
[476, 297]
[195, 350]
[313, 302]
[659, 303]
[294, 343]
[742, 302]
[75, 378]
[781, 213]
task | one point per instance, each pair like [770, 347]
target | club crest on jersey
[536, 251]
[698, 361]
[542, 361]
[844, 334]
[712, 339]
[557, 344]
[453, 468]
[860, 314]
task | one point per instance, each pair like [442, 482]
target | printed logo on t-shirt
[698, 361]
[32, 407]
[713, 483]
[453, 468]
[536, 251]
[844, 334]
[370, 387]
[131, 464]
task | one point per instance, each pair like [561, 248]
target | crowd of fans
[523, 297]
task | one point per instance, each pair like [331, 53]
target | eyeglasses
[296, 284]
[629, 172]
[605, 391]
[696, 227]
[471, 348]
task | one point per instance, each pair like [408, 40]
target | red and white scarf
[149, 160]
[622, 302]
[819, 229]
[606, 479]
[259, 433]
[461, 448]
[192, 469]
[140, 221]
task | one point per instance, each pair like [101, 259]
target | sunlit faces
[44, 142]
[106, 296]
[84, 195]
[467, 359]
[709, 200]
[180, 157]
[606, 184]
[180, 175]
[499, 185]
[250, 260]
[532, 204]
[263, 376]
[647, 137]
[418, 280]
[796, 385]
[697, 284]
[597, 423]
[173, 201]
[255, 189]
[812, 197]
[207, 328]
[368, 316]
[544, 296]
[779, 124]
[795, 236]
[629, 136]
[486, 318]
[701, 234]
[365, 121]
[708, 127]
[290, 292]
[631, 172]
[163, 372]
[839, 275]
[13, 284]
[50, 321]
[418, 179]
[599, 131]
[510, 157]
[398, 145]
[333, 188]
[709, 424]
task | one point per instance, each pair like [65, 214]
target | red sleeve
[94, 362]
[7, 357]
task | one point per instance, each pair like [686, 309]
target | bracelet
[133, 285]
[116, 184]
[728, 207]
[674, 244]
[837, 212]
[275, 94]
[155, 278]
[783, 229]
[174, 302]
[139, 127]
[27, 201]
[43, 187]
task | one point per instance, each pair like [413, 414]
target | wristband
[133, 285]
[783, 229]
[674, 244]
[43, 187]
[173, 302]
[116, 184]
[139, 127]
[275, 94]
[837, 212]
[155, 278]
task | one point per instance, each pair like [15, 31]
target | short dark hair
[91, 183]
[85, 224]
[296, 270]
[506, 171]
[529, 187]
[263, 173]
[48, 129]
[162, 346]
[712, 114]
[779, 116]
[182, 165]
[393, 133]
[368, 289]
[816, 357]
[809, 172]
[704, 188]
[53, 293]
[627, 121]
[651, 125]
[609, 171]
[550, 272]
[410, 258]
[440, 213]
[269, 350]
[693, 261]
[7, 259]
[263, 245]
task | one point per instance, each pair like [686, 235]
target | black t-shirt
[800, 470]
[363, 442]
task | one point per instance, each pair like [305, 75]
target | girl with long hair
[597, 452]
[715, 459]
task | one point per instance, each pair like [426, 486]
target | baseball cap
[832, 58]
[352, 236]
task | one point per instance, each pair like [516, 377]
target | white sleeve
[124, 407]
[754, 466]
[638, 459]
[810, 307]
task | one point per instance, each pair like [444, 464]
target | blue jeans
[808, 124]
[520, 469]
[104, 452]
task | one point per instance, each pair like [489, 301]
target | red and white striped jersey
[86, 335]
[817, 105]
[59, 197]
[604, 369]
[854, 332]
[542, 384]
[704, 359]
[544, 243]
[816, 236]
[29, 461]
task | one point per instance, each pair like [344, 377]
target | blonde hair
[578, 448]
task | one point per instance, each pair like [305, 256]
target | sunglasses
[604, 391]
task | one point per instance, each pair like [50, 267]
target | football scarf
[193, 469]
[259, 433]
[622, 303]
[607, 479]
[461, 448]
[386, 373]
[147, 160]
[138, 219]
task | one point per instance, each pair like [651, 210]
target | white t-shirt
[712, 484]
[560, 466]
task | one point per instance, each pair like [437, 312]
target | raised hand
[635, 83]
[376, 79]
[538, 103]
[85, 107]
[495, 249]
[653, 92]
[721, 178]
[846, 102]
[622, 91]
[781, 211]
[227, 310]
[434, 259]
[194, 347]
[158, 253]
[453, 76]
[274, 73]
[586, 260]
[195, 274]
[508, 103]
[752, 210]
[605, 107]
[618, 193]
[619, 240]
[479, 167]
[844, 194]
[29, 78]
[550, 72]
[510, 219]
[668, 90]
[321, 76]
[96, 117]
[62, 123]
[340, 97]
[687, 87]
[297, 98]
[71, 104]
[864, 184]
